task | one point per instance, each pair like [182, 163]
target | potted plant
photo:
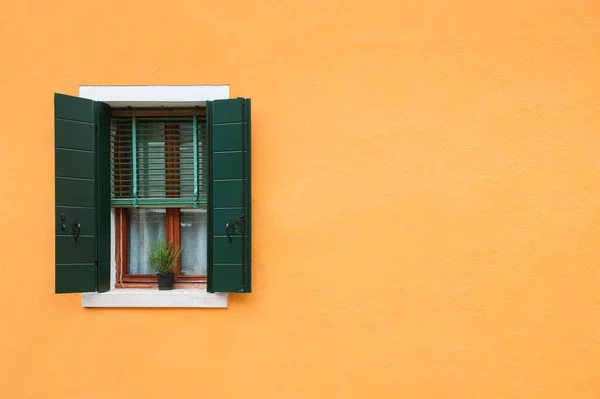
[162, 258]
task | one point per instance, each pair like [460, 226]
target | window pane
[193, 241]
[145, 227]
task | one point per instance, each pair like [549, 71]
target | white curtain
[145, 227]
[193, 241]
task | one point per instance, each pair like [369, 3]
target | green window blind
[158, 161]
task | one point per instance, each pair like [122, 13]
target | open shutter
[229, 215]
[82, 195]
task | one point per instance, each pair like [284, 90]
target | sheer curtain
[145, 227]
[193, 241]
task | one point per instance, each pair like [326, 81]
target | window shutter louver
[82, 213]
[229, 214]
[158, 161]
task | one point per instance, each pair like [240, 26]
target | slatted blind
[158, 161]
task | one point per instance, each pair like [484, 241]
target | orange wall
[426, 200]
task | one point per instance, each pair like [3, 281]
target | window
[181, 174]
[159, 189]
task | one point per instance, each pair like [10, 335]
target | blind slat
[158, 161]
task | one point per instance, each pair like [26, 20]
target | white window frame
[152, 96]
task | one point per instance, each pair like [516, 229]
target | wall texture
[426, 200]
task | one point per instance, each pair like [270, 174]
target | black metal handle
[78, 227]
[236, 225]
[227, 231]
[63, 222]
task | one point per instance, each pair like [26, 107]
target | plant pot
[165, 281]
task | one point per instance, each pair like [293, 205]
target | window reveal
[159, 161]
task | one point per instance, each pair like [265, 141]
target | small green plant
[162, 257]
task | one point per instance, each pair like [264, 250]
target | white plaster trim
[155, 96]
[153, 298]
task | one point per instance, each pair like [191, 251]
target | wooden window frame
[173, 234]
[173, 215]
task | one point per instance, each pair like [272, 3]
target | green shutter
[158, 161]
[103, 212]
[229, 214]
[82, 208]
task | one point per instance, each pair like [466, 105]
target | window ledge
[153, 298]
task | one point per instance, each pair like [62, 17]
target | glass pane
[145, 227]
[193, 241]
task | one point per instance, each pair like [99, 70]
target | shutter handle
[237, 226]
[227, 231]
[78, 226]
[63, 220]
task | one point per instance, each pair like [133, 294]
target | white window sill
[153, 298]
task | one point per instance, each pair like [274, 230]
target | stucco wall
[426, 200]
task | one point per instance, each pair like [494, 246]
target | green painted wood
[225, 214]
[156, 202]
[247, 271]
[195, 160]
[227, 137]
[134, 159]
[103, 207]
[139, 150]
[75, 192]
[226, 193]
[75, 135]
[75, 278]
[81, 194]
[228, 278]
[228, 111]
[210, 214]
[67, 250]
[74, 108]
[228, 165]
[85, 216]
[223, 253]
[75, 163]
[229, 265]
